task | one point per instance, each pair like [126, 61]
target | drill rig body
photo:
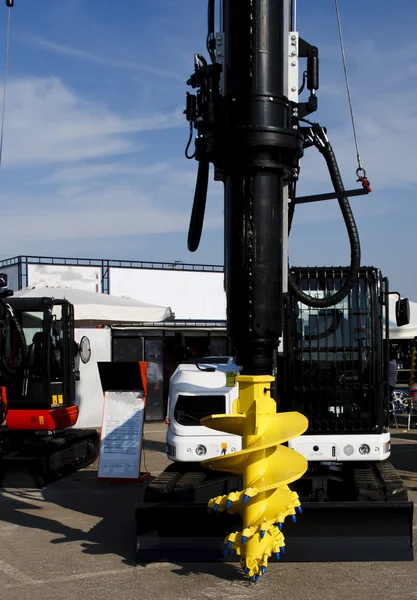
[248, 120]
[332, 367]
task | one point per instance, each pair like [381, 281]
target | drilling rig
[252, 127]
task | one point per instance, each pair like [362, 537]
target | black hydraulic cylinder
[313, 72]
[261, 148]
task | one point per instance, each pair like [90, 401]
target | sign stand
[124, 386]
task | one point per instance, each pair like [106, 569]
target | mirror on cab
[402, 312]
[4, 290]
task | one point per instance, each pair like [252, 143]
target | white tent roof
[92, 308]
[406, 332]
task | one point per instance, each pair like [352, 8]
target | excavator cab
[38, 364]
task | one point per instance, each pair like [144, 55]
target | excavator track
[379, 482]
[178, 484]
[47, 458]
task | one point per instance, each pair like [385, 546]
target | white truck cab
[194, 393]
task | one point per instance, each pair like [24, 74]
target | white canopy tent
[406, 332]
[92, 308]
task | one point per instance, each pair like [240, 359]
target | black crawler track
[173, 524]
[50, 457]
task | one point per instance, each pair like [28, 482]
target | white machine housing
[194, 442]
[183, 441]
[343, 447]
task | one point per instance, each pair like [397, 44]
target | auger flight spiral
[267, 468]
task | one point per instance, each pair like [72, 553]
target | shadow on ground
[111, 503]
[113, 534]
[226, 571]
[154, 445]
[109, 507]
[404, 459]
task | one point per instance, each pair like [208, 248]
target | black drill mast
[247, 116]
[263, 145]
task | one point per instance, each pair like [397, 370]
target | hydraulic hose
[333, 327]
[322, 144]
[199, 206]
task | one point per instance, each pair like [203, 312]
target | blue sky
[93, 161]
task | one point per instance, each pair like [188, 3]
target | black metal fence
[334, 368]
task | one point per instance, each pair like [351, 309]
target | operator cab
[38, 363]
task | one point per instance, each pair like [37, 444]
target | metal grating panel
[334, 365]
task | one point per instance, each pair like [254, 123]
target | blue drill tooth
[229, 544]
[283, 549]
[277, 555]
[247, 571]
[280, 526]
[225, 551]
[257, 577]
[253, 578]
[263, 570]
[244, 538]
[262, 533]
[245, 499]
[294, 518]
[232, 552]
[215, 507]
[300, 510]
[229, 503]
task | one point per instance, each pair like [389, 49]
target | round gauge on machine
[85, 349]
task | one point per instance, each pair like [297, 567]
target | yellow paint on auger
[267, 469]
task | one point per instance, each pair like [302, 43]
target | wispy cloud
[49, 123]
[105, 60]
[73, 183]
[85, 172]
[114, 212]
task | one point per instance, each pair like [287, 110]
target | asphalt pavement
[76, 538]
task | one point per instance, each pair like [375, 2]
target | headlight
[348, 450]
[200, 450]
[364, 449]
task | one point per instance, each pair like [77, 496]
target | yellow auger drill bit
[267, 469]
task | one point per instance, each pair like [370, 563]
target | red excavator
[38, 376]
